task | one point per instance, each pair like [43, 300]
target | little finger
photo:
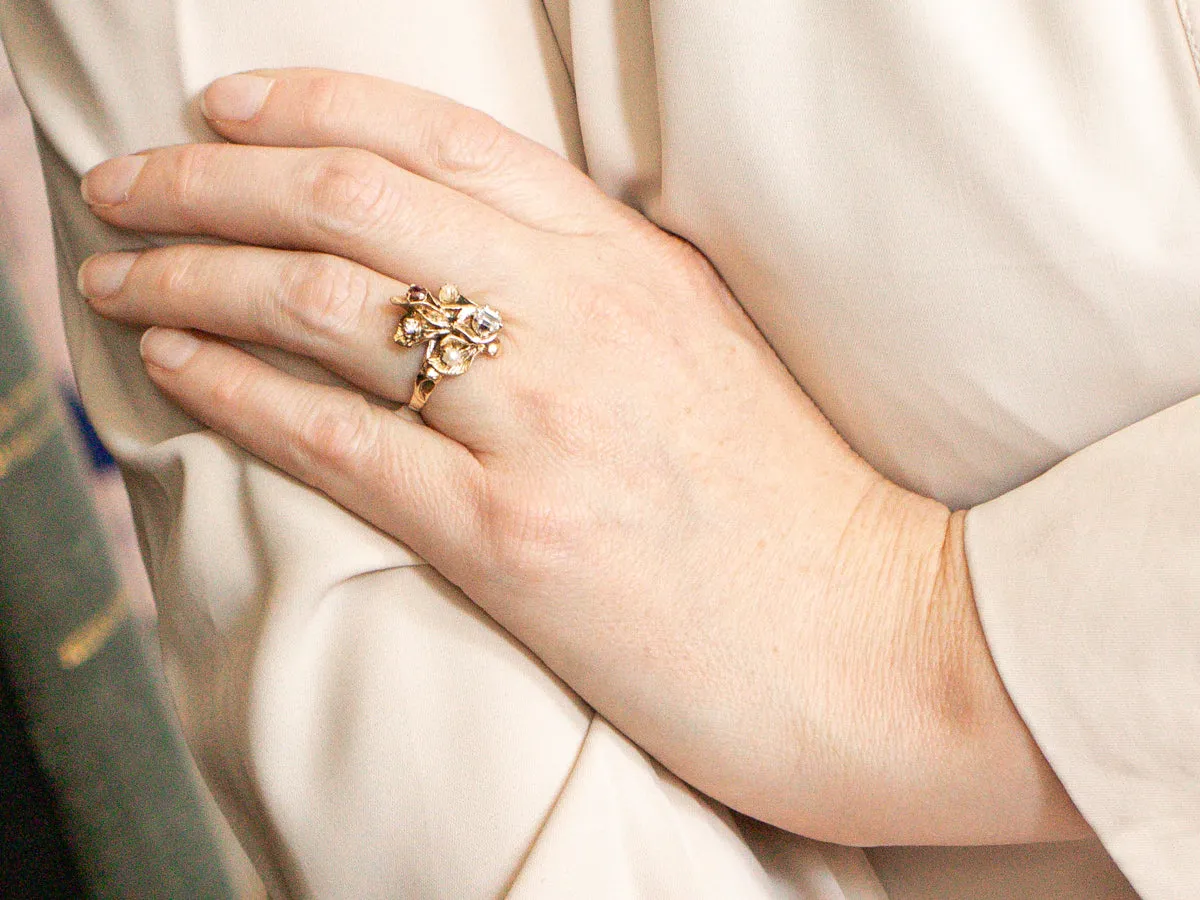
[395, 472]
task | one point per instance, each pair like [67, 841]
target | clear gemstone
[449, 294]
[487, 321]
[452, 356]
[412, 327]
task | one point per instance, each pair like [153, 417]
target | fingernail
[108, 184]
[236, 98]
[168, 348]
[103, 274]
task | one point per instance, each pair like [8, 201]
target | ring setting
[454, 330]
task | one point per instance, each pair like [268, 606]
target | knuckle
[340, 436]
[232, 391]
[610, 317]
[192, 170]
[566, 424]
[325, 295]
[466, 141]
[529, 533]
[174, 271]
[353, 192]
[324, 103]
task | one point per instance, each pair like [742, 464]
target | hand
[636, 487]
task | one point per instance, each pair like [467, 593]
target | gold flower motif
[455, 329]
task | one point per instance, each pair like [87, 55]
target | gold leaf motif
[454, 329]
[452, 355]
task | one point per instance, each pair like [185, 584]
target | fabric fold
[1087, 580]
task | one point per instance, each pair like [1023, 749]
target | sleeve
[1087, 580]
[367, 731]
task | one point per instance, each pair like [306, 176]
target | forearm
[931, 749]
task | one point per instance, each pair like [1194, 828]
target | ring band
[454, 330]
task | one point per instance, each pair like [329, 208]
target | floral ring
[454, 330]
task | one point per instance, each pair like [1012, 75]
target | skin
[635, 487]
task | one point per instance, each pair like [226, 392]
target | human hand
[636, 487]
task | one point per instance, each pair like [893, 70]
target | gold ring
[454, 330]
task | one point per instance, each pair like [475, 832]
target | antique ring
[454, 330]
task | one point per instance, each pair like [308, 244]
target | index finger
[430, 135]
[343, 201]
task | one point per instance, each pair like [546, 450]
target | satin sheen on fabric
[972, 231]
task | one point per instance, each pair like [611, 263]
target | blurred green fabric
[82, 689]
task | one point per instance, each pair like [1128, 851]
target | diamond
[487, 321]
[449, 294]
[411, 326]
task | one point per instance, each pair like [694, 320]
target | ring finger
[322, 306]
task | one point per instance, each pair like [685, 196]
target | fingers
[314, 304]
[393, 471]
[425, 133]
[344, 201]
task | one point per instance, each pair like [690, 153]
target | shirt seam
[1189, 31]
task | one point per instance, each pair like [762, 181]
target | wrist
[993, 783]
[958, 765]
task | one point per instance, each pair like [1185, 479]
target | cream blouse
[972, 232]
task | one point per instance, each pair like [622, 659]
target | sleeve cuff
[1087, 580]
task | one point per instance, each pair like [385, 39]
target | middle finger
[343, 201]
[315, 304]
